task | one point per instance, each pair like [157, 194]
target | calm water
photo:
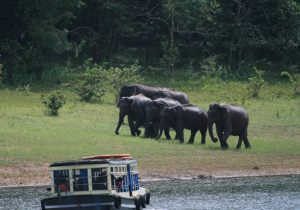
[276, 192]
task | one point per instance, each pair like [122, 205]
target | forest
[42, 40]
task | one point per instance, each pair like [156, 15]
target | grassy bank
[30, 140]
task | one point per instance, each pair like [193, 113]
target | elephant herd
[159, 109]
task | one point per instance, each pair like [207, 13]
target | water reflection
[276, 192]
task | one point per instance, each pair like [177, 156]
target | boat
[102, 182]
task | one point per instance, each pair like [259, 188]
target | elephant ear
[224, 112]
[167, 111]
[179, 111]
[159, 105]
[134, 105]
[122, 101]
[179, 115]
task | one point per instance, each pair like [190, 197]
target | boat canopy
[88, 175]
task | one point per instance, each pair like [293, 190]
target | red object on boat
[109, 156]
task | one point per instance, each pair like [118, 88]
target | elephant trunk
[120, 122]
[211, 133]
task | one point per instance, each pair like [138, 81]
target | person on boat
[119, 184]
[63, 186]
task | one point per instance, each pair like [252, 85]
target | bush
[117, 77]
[256, 83]
[210, 67]
[54, 101]
[90, 84]
[294, 80]
[25, 89]
[98, 79]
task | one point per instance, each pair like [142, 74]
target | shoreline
[178, 178]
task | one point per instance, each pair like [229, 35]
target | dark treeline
[39, 36]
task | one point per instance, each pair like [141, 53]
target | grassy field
[30, 140]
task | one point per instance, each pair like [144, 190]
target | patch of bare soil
[25, 174]
[217, 173]
[38, 174]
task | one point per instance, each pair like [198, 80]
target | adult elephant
[134, 108]
[153, 92]
[189, 117]
[229, 120]
[153, 111]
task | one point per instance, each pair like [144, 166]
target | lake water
[272, 192]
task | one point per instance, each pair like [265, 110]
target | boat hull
[92, 202]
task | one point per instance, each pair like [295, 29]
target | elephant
[185, 116]
[153, 110]
[229, 120]
[153, 92]
[134, 107]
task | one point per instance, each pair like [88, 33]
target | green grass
[28, 136]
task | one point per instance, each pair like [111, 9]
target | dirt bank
[38, 174]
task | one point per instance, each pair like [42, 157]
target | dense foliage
[39, 36]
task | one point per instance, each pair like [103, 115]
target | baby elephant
[229, 120]
[185, 116]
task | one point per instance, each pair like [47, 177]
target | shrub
[25, 89]
[210, 67]
[90, 84]
[97, 80]
[117, 77]
[256, 83]
[54, 101]
[294, 80]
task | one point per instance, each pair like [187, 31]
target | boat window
[61, 180]
[80, 177]
[99, 178]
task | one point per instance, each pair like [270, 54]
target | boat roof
[99, 159]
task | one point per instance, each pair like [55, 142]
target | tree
[32, 34]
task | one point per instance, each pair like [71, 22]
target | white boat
[105, 182]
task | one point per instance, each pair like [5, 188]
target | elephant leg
[220, 136]
[238, 146]
[147, 130]
[192, 137]
[167, 133]
[131, 126]
[138, 123]
[121, 120]
[176, 133]
[219, 133]
[159, 133]
[246, 142]
[154, 134]
[136, 128]
[203, 135]
[223, 141]
[180, 135]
